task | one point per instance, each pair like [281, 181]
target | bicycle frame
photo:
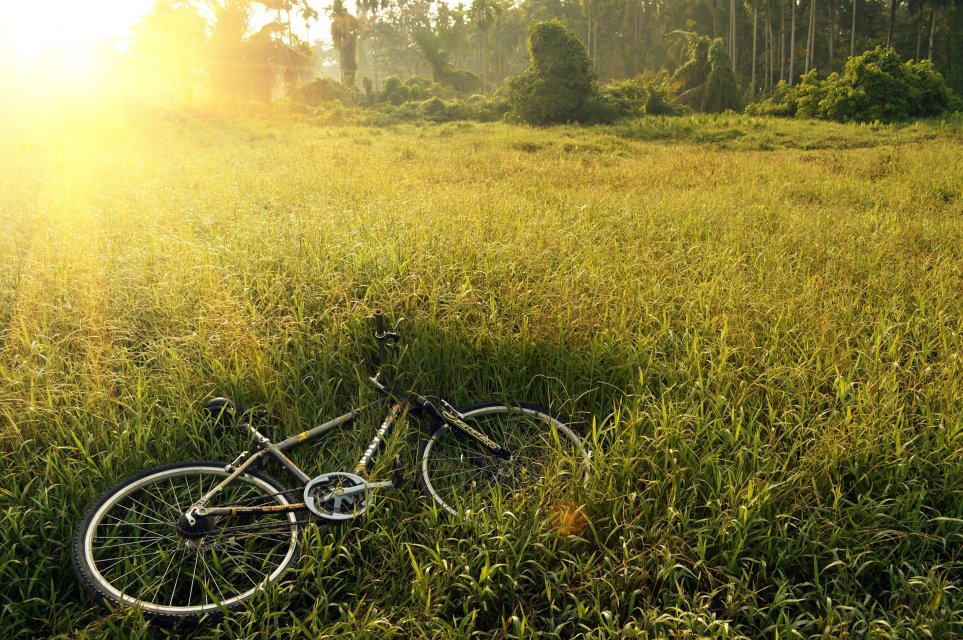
[266, 448]
[402, 403]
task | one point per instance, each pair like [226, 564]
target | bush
[706, 80]
[414, 89]
[393, 91]
[875, 86]
[559, 85]
[463, 80]
[782, 103]
[646, 94]
[422, 99]
[323, 90]
[720, 92]
[879, 86]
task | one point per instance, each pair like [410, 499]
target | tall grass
[763, 348]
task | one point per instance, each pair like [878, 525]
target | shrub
[874, 86]
[463, 80]
[720, 92]
[559, 85]
[436, 50]
[323, 90]
[879, 86]
[393, 91]
[421, 88]
[782, 103]
[414, 89]
[650, 94]
[706, 80]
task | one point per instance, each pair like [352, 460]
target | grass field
[757, 324]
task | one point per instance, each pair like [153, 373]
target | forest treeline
[653, 56]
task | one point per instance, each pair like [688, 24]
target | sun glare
[65, 35]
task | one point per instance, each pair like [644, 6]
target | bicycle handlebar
[379, 322]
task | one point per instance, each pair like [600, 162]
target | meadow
[756, 323]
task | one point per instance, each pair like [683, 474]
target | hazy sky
[32, 26]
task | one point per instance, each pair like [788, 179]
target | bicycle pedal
[398, 476]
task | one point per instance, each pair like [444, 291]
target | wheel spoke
[459, 473]
[137, 551]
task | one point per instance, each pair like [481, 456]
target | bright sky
[66, 26]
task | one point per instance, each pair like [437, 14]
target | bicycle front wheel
[548, 460]
[134, 548]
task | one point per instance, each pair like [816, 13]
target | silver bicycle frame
[276, 451]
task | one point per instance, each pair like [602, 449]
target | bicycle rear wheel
[547, 460]
[133, 548]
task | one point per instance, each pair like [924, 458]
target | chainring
[323, 496]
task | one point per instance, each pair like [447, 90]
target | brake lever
[393, 335]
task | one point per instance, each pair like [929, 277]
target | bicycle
[188, 540]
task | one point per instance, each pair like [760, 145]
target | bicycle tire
[451, 465]
[157, 536]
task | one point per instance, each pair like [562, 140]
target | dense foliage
[417, 99]
[323, 90]
[646, 94]
[875, 86]
[189, 48]
[705, 80]
[559, 84]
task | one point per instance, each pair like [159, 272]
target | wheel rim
[462, 479]
[136, 554]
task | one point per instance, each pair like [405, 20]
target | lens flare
[569, 518]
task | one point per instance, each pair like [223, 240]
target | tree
[344, 36]
[732, 33]
[721, 91]
[811, 36]
[559, 84]
[169, 44]
[892, 22]
[706, 80]
[307, 13]
[754, 6]
[228, 69]
[792, 43]
[265, 57]
[484, 14]
[692, 75]
[852, 34]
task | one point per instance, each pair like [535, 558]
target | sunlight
[67, 32]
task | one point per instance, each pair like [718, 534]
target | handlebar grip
[379, 320]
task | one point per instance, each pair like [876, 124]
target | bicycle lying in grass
[189, 540]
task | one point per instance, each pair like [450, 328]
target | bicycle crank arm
[361, 488]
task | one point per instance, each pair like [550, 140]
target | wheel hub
[203, 526]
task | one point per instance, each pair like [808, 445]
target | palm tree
[792, 43]
[892, 22]
[934, 7]
[587, 6]
[754, 5]
[811, 36]
[483, 14]
[732, 33]
[344, 36]
[852, 34]
[307, 14]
